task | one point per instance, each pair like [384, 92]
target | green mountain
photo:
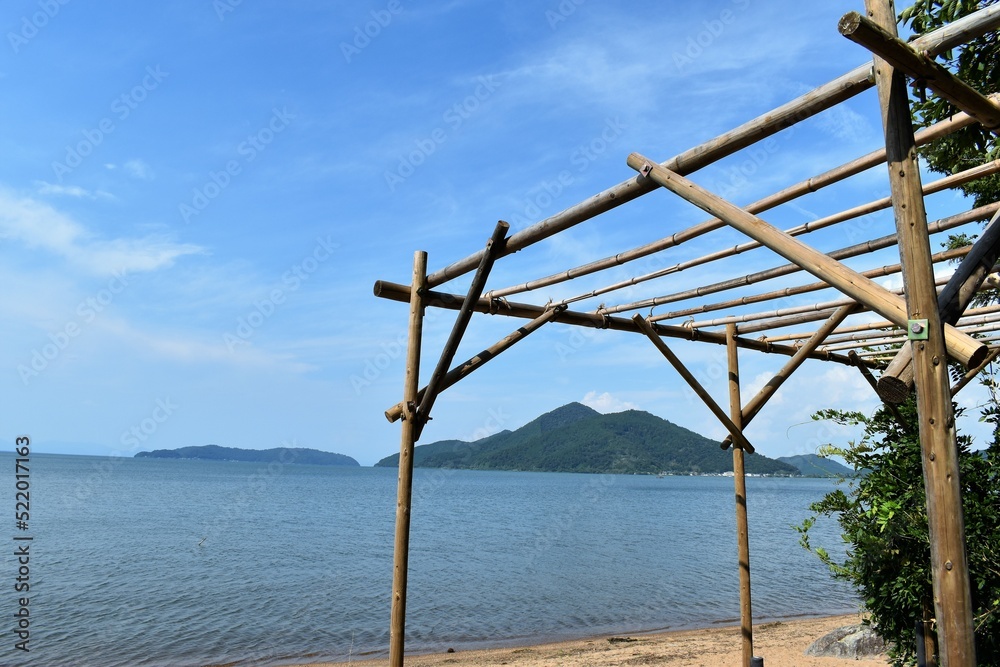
[279, 454]
[811, 465]
[575, 438]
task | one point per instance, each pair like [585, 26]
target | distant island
[575, 438]
[279, 454]
[816, 466]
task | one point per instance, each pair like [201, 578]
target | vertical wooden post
[401, 552]
[949, 566]
[742, 528]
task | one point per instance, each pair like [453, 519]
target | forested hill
[816, 466]
[575, 438]
[279, 454]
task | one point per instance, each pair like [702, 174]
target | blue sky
[197, 197]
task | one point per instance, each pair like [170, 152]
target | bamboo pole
[465, 369]
[950, 181]
[786, 322]
[404, 491]
[794, 291]
[805, 106]
[740, 483]
[761, 398]
[897, 380]
[969, 325]
[814, 184]
[461, 324]
[890, 306]
[972, 373]
[970, 317]
[782, 322]
[900, 338]
[949, 566]
[894, 51]
[779, 313]
[396, 292]
[692, 381]
[944, 224]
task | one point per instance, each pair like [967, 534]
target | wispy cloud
[39, 226]
[195, 350]
[45, 188]
[138, 169]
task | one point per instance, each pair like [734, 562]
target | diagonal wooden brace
[465, 369]
[962, 347]
[461, 324]
[755, 404]
[735, 431]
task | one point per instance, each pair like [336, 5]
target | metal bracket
[916, 329]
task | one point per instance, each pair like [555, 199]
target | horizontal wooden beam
[396, 292]
[862, 30]
[960, 346]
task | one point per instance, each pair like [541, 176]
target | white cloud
[845, 124]
[41, 227]
[751, 390]
[138, 169]
[606, 403]
[183, 349]
[45, 188]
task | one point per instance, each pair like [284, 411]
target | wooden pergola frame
[936, 325]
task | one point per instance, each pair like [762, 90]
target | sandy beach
[780, 643]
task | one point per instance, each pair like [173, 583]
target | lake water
[183, 563]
